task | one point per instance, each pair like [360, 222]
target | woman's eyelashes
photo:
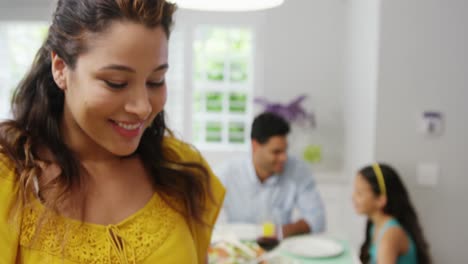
[120, 85]
[115, 85]
[156, 84]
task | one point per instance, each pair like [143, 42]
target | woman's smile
[127, 129]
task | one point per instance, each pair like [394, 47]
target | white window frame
[7, 80]
[226, 88]
[186, 22]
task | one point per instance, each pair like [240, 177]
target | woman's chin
[124, 152]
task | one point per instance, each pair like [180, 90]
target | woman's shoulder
[394, 238]
[185, 152]
[7, 168]
[177, 149]
[8, 200]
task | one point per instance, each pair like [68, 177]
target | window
[222, 84]
[19, 42]
[175, 106]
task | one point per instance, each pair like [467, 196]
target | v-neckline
[122, 222]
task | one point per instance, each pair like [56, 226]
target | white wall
[360, 102]
[304, 53]
[424, 66]
[21, 10]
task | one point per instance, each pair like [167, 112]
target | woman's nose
[139, 103]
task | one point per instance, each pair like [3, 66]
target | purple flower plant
[292, 112]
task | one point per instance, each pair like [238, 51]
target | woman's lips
[127, 129]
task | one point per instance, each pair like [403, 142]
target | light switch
[428, 173]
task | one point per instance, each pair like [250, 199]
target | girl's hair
[399, 206]
[38, 104]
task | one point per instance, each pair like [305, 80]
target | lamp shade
[227, 5]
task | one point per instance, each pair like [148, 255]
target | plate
[312, 246]
[240, 231]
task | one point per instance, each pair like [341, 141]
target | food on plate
[225, 252]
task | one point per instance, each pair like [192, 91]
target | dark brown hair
[267, 125]
[399, 206]
[38, 105]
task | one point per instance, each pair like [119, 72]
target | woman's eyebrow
[119, 67]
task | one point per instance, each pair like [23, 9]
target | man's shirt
[247, 199]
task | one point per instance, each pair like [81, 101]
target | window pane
[175, 77]
[198, 61]
[19, 42]
[238, 71]
[197, 130]
[214, 102]
[214, 131]
[236, 132]
[197, 101]
[215, 70]
[237, 102]
[240, 42]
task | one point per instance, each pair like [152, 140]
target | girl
[393, 233]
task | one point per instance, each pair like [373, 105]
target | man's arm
[309, 202]
[222, 171]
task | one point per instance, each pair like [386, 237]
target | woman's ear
[59, 70]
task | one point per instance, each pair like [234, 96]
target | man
[270, 181]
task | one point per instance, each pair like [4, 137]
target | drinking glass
[271, 232]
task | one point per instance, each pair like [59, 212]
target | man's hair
[267, 125]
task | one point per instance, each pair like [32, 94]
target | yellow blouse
[154, 234]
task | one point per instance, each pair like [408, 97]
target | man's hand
[296, 228]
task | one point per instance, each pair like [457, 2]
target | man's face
[272, 155]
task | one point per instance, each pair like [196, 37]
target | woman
[393, 233]
[89, 172]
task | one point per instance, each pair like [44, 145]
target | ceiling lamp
[227, 5]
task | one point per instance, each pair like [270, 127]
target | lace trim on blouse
[130, 241]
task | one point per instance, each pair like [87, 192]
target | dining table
[302, 249]
[348, 256]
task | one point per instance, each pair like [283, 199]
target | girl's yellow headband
[380, 178]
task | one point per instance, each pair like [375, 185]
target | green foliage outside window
[222, 57]
[215, 70]
[212, 52]
[214, 131]
[237, 102]
[214, 102]
[236, 132]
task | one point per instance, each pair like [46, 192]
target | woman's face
[115, 90]
[364, 199]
